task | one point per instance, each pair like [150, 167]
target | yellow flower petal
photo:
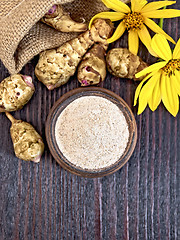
[146, 39]
[156, 5]
[174, 98]
[117, 5]
[161, 47]
[176, 53]
[169, 95]
[113, 16]
[118, 33]
[133, 41]
[138, 89]
[137, 5]
[165, 13]
[175, 79]
[154, 67]
[133, 5]
[153, 26]
[142, 106]
[155, 100]
[164, 91]
[146, 92]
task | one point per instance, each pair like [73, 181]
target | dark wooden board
[140, 201]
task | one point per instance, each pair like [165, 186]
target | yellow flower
[134, 20]
[163, 78]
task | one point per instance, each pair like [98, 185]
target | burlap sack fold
[22, 36]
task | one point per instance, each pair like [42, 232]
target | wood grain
[140, 201]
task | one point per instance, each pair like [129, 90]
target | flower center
[171, 66]
[133, 21]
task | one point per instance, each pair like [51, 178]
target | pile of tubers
[15, 92]
[85, 53]
[56, 66]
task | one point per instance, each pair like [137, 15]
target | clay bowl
[59, 107]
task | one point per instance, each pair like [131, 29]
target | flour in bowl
[92, 132]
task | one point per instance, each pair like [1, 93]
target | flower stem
[161, 21]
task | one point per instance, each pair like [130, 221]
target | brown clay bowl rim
[59, 106]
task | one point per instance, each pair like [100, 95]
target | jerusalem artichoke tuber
[15, 92]
[28, 144]
[56, 66]
[57, 18]
[122, 63]
[92, 69]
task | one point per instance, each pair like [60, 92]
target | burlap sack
[22, 36]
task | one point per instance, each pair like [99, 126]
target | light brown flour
[92, 132]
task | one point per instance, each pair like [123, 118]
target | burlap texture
[22, 36]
